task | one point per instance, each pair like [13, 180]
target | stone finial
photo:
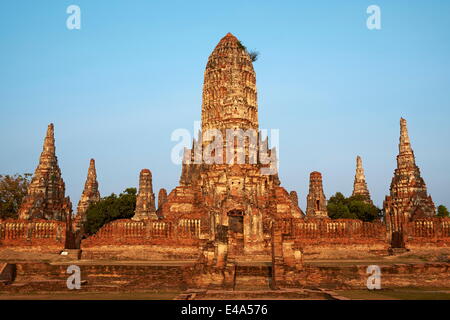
[49, 142]
[145, 200]
[316, 203]
[360, 185]
[90, 193]
[45, 197]
[405, 144]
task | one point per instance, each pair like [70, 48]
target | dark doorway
[397, 240]
[236, 224]
[236, 232]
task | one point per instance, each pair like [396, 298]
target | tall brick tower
[233, 185]
[145, 199]
[315, 201]
[408, 199]
[360, 185]
[45, 197]
[90, 193]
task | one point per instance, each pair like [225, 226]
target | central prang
[229, 177]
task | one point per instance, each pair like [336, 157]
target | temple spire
[408, 199]
[405, 144]
[360, 185]
[405, 158]
[90, 193]
[45, 197]
[48, 155]
[49, 142]
[359, 164]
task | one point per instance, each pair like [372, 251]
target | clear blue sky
[117, 88]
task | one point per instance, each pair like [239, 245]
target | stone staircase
[250, 259]
[252, 277]
[285, 294]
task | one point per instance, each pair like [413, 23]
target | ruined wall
[340, 231]
[129, 232]
[428, 232]
[145, 240]
[100, 277]
[355, 277]
[336, 239]
[39, 234]
[317, 238]
[348, 239]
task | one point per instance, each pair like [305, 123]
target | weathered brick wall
[180, 238]
[428, 232]
[32, 233]
[392, 276]
[156, 252]
[103, 277]
[327, 231]
[183, 232]
[126, 239]
[348, 231]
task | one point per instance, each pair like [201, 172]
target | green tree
[12, 190]
[340, 207]
[340, 211]
[363, 210]
[442, 212]
[110, 208]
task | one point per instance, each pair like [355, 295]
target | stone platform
[317, 280]
[286, 294]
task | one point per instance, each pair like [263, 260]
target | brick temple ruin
[224, 213]
[408, 200]
[46, 198]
